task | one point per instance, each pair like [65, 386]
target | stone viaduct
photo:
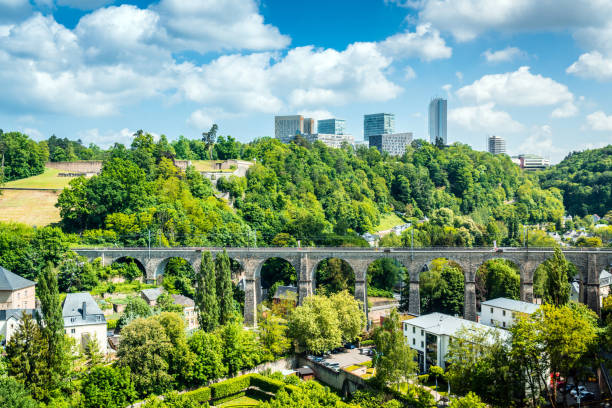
[589, 262]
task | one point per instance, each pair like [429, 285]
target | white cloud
[540, 141]
[317, 114]
[599, 121]
[505, 55]
[466, 19]
[592, 65]
[199, 119]
[107, 138]
[216, 25]
[459, 76]
[484, 118]
[425, 43]
[12, 11]
[409, 73]
[520, 88]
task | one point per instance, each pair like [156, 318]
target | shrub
[266, 384]
[375, 292]
[423, 378]
[367, 342]
[230, 387]
[111, 324]
[229, 398]
[201, 395]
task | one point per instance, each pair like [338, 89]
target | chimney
[84, 310]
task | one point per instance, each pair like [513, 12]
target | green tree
[225, 293]
[241, 348]
[351, 317]
[273, 336]
[206, 294]
[108, 387]
[13, 394]
[21, 156]
[135, 308]
[315, 325]
[308, 394]
[557, 287]
[146, 349]
[394, 359]
[209, 138]
[470, 400]
[208, 363]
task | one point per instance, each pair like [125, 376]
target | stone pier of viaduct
[589, 263]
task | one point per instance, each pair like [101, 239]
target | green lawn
[49, 179]
[388, 221]
[243, 401]
[208, 165]
[31, 207]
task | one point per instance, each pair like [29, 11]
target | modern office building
[332, 126]
[502, 312]
[331, 140]
[378, 124]
[531, 162]
[394, 143]
[496, 145]
[431, 334]
[437, 120]
[286, 127]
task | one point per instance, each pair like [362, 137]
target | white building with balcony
[502, 312]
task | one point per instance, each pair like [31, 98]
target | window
[413, 341]
[422, 344]
[491, 310]
[72, 331]
[413, 329]
[72, 320]
[422, 332]
[503, 312]
[504, 324]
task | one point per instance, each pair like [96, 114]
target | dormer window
[72, 319]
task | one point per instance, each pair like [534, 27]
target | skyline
[535, 73]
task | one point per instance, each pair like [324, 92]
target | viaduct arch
[589, 262]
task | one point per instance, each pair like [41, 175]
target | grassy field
[208, 165]
[243, 401]
[29, 207]
[49, 179]
[388, 221]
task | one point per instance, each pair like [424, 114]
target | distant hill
[585, 179]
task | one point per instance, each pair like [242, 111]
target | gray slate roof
[12, 281]
[443, 324]
[512, 305]
[152, 294]
[72, 310]
[183, 300]
[16, 313]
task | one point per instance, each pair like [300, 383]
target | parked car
[575, 391]
[587, 396]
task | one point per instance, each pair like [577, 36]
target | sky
[536, 72]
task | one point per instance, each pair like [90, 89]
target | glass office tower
[437, 120]
[378, 124]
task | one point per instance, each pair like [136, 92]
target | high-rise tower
[437, 121]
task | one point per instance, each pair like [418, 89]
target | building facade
[496, 145]
[430, 336]
[394, 144]
[16, 292]
[189, 312]
[332, 126]
[502, 312]
[287, 127]
[83, 320]
[331, 140]
[378, 124]
[437, 121]
[531, 162]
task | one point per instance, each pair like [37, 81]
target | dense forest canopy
[585, 179]
[453, 196]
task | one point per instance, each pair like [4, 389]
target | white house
[430, 335]
[17, 295]
[83, 320]
[502, 312]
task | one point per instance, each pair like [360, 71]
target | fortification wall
[80, 166]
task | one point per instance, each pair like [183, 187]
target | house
[150, 295]
[83, 320]
[10, 320]
[502, 312]
[605, 285]
[189, 313]
[430, 336]
[16, 292]
[285, 293]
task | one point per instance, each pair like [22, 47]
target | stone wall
[80, 166]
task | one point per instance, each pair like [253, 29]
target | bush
[229, 398]
[201, 395]
[375, 292]
[266, 384]
[230, 387]
[111, 324]
[423, 378]
[367, 343]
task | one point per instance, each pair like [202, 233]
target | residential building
[83, 320]
[287, 127]
[10, 320]
[430, 336]
[378, 124]
[189, 312]
[437, 120]
[605, 287]
[332, 126]
[497, 145]
[331, 140]
[16, 292]
[502, 312]
[531, 162]
[150, 295]
[394, 144]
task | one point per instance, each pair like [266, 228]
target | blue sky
[538, 73]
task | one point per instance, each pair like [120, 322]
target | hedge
[291, 388]
[367, 343]
[258, 394]
[231, 386]
[266, 384]
[201, 395]
[229, 398]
